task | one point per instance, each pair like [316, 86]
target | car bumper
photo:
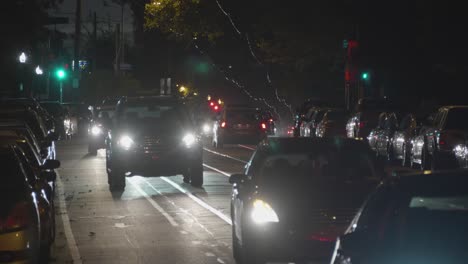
[175, 161]
[279, 244]
[14, 247]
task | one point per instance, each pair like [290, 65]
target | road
[155, 220]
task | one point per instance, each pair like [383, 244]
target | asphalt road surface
[155, 220]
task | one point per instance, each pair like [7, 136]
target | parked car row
[27, 210]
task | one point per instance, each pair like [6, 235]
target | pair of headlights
[126, 142]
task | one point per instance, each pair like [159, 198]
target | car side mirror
[53, 136]
[237, 178]
[51, 164]
[49, 176]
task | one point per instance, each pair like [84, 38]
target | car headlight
[189, 139]
[263, 213]
[206, 128]
[126, 142]
[96, 130]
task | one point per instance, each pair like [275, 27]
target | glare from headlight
[126, 142]
[206, 128]
[95, 130]
[263, 213]
[189, 139]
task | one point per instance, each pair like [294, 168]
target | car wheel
[196, 175]
[117, 179]
[92, 149]
[248, 254]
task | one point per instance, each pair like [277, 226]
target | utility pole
[76, 55]
[117, 49]
[94, 42]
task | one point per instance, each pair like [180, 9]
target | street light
[39, 71]
[22, 58]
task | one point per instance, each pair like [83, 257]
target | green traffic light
[60, 74]
[365, 76]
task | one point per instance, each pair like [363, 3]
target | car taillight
[19, 217]
[271, 120]
[362, 124]
[448, 140]
[223, 124]
[263, 125]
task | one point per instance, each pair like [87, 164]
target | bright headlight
[95, 130]
[126, 142]
[206, 128]
[263, 213]
[189, 139]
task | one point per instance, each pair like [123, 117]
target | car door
[432, 131]
[401, 136]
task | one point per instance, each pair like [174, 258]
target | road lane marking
[217, 170]
[154, 203]
[71, 242]
[199, 201]
[225, 155]
[247, 147]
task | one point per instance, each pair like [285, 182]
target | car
[23, 103]
[365, 117]
[333, 124]
[153, 136]
[31, 118]
[80, 117]
[59, 116]
[311, 120]
[239, 125]
[99, 127]
[408, 129]
[412, 218]
[302, 111]
[435, 147]
[297, 195]
[20, 236]
[44, 207]
[381, 138]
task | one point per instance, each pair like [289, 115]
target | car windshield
[155, 115]
[456, 119]
[244, 115]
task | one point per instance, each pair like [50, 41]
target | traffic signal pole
[61, 91]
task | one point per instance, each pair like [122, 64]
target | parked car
[333, 124]
[365, 117]
[59, 116]
[381, 138]
[410, 219]
[434, 147]
[239, 125]
[408, 129]
[311, 120]
[24, 103]
[297, 195]
[302, 111]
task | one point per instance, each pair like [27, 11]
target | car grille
[152, 144]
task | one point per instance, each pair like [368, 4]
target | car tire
[248, 252]
[117, 179]
[92, 150]
[196, 175]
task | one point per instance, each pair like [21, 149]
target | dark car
[31, 118]
[435, 146]
[303, 110]
[381, 138]
[365, 117]
[311, 120]
[297, 195]
[81, 113]
[153, 136]
[410, 219]
[20, 236]
[333, 124]
[23, 103]
[407, 130]
[99, 127]
[239, 125]
[58, 114]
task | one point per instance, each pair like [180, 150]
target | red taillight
[211, 104]
[19, 217]
[223, 124]
[362, 124]
[271, 120]
[216, 107]
[263, 125]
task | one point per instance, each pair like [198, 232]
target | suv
[239, 125]
[153, 136]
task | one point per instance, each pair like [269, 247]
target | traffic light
[60, 74]
[365, 76]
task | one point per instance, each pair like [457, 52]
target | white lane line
[217, 170]
[154, 203]
[247, 147]
[225, 156]
[199, 201]
[74, 252]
